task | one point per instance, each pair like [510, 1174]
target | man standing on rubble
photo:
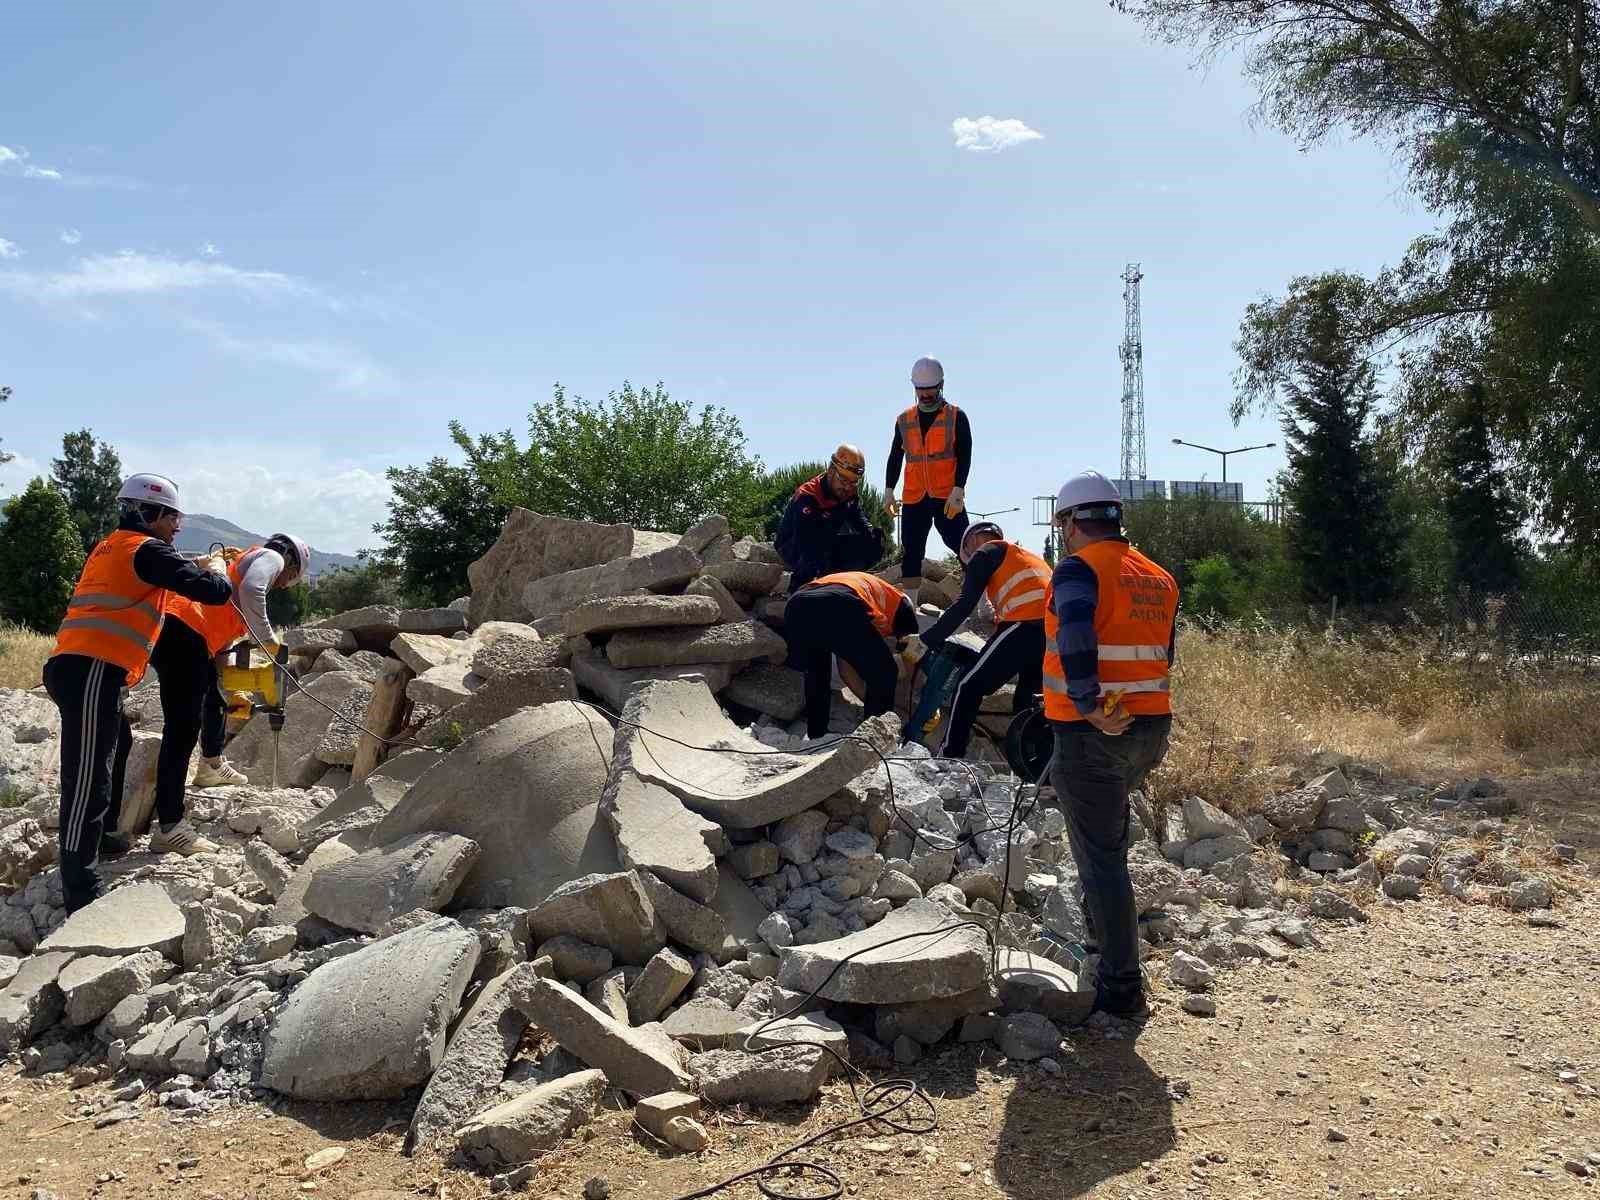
[823, 526]
[934, 441]
[1110, 628]
[850, 614]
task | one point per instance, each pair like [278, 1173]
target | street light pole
[1223, 453]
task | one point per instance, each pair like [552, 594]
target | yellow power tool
[255, 688]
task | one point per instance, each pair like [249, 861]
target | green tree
[5, 394]
[1051, 549]
[774, 489]
[40, 557]
[1216, 589]
[1484, 516]
[353, 587]
[88, 475]
[290, 605]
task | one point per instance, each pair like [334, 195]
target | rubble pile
[650, 893]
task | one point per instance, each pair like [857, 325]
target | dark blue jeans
[1092, 775]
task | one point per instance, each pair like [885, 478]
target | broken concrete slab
[444, 621]
[715, 589]
[1031, 983]
[656, 833]
[660, 984]
[32, 1001]
[609, 994]
[506, 693]
[575, 959]
[422, 652]
[442, 687]
[701, 534]
[140, 916]
[468, 1078]
[1202, 820]
[756, 578]
[687, 922]
[312, 639]
[785, 1076]
[941, 958]
[665, 569]
[770, 688]
[610, 910]
[648, 611]
[741, 791]
[375, 621]
[504, 646]
[382, 789]
[706, 1024]
[526, 790]
[532, 546]
[538, 1120]
[594, 673]
[420, 870]
[927, 1021]
[736, 642]
[405, 988]
[633, 1060]
[290, 907]
[337, 745]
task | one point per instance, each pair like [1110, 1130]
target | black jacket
[161, 565]
[821, 534]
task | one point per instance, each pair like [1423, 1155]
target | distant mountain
[200, 530]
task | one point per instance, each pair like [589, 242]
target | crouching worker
[823, 526]
[104, 645]
[849, 614]
[1015, 581]
[192, 706]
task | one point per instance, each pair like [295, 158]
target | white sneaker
[224, 774]
[182, 839]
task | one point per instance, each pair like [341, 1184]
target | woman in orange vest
[192, 707]
[1110, 634]
[1015, 580]
[104, 645]
[849, 614]
[934, 441]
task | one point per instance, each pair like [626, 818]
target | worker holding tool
[823, 526]
[192, 705]
[849, 614]
[1110, 635]
[1015, 580]
[934, 441]
[104, 645]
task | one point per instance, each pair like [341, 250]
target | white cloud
[71, 237]
[209, 249]
[7, 154]
[347, 366]
[9, 249]
[18, 473]
[18, 160]
[131, 273]
[990, 135]
[40, 173]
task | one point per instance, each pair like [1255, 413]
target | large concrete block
[656, 833]
[443, 621]
[639, 1061]
[139, 784]
[594, 673]
[688, 922]
[532, 546]
[669, 568]
[756, 578]
[375, 621]
[32, 1001]
[737, 790]
[527, 790]
[770, 688]
[372, 1025]
[501, 696]
[610, 910]
[739, 642]
[290, 907]
[424, 651]
[519, 1130]
[420, 870]
[646, 611]
[504, 646]
[944, 958]
[786, 1076]
[382, 789]
[138, 917]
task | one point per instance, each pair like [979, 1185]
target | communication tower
[1132, 354]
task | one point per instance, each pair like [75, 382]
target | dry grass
[22, 655]
[1252, 697]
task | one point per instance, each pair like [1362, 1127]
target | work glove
[956, 504]
[892, 506]
[915, 648]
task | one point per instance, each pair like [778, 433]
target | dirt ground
[1441, 1050]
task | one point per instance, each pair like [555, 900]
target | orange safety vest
[114, 615]
[930, 463]
[1017, 589]
[882, 598]
[1133, 619]
[220, 624]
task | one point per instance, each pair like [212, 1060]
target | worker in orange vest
[192, 706]
[1110, 638]
[1015, 580]
[104, 645]
[853, 615]
[934, 441]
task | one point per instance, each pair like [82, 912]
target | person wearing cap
[823, 527]
[934, 442]
[110, 630]
[853, 615]
[192, 706]
[1015, 580]
[1110, 637]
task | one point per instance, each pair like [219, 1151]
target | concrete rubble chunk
[532, 546]
[660, 984]
[707, 1024]
[944, 959]
[1205, 854]
[610, 910]
[406, 990]
[648, 611]
[715, 589]
[736, 642]
[594, 673]
[575, 959]
[421, 870]
[32, 1001]
[290, 907]
[799, 838]
[422, 652]
[636, 1061]
[754, 859]
[1032, 983]
[756, 578]
[382, 789]
[503, 646]
[270, 868]
[527, 791]
[655, 1113]
[740, 791]
[505, 694]
[665, 569]
[312, 639]
[538, 1120]
[1296, 811]
[373, 621]
[807, 1029]
[766, 687]
[692, 925]
[267, 942]
[444, 621]
[139, 783]
[1203, 820]
[656, 833]
[928, 1021]
[211, 935]
[785, 1076]
[1189, 971]
[609, 994]
[1028, 1037]
[700, 535]
[140, 916]
[443, 687]
[475, 1061]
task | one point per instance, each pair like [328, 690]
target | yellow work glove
[915, 648]
[891, 506]
[956, 504]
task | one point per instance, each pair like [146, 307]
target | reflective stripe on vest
[1136, 605]
[881, 597]
[113, 615]
[930, 463]
[1016, 590]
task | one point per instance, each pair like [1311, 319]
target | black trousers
[916, 520]
[823, 621]
[192, 710]
[1093, 774]
[95, 739]
[1016, 651]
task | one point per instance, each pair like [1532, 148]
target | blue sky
[271, 250]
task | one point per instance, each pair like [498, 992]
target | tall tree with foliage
[1337, 485]
[40, 558]
[1484, 517]
[88, 475]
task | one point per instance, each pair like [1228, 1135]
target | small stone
[1402, 887]
[1336, 1135]
[907, 1050]
[1188, 971]
[1199, 1006]
[687, 1134]
[1027, 1037]
[597, 1188]
[323, 1159]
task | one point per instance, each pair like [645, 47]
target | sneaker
[224, 774]
[114, 845]
[1130, 1006]
[182, 839]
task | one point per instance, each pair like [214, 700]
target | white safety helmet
[1087, 489]
[927, 373]
[150, 489]
[301, 552]
[977, 535]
